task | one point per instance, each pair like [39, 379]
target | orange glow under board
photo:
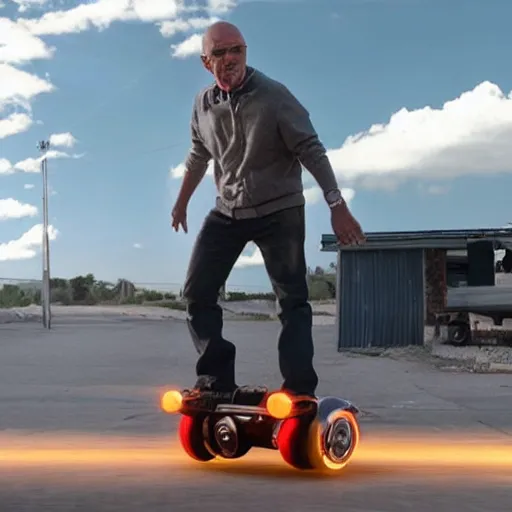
[464, 452]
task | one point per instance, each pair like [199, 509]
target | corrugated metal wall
[382, 298]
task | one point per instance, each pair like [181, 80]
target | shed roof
[434, 239]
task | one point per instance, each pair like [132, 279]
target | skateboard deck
[310, 433]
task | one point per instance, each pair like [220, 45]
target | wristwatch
[334, 198]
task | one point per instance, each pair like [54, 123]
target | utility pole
[43, 147]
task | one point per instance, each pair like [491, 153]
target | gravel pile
[8, 316]
[478, 359]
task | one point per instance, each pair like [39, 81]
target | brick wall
[435, 283]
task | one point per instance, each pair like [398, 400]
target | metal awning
[435, 239]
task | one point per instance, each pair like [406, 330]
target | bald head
[224, 54]
[221, 34]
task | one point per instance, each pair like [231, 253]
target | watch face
[333, 195]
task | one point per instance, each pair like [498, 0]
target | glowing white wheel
[332, 443]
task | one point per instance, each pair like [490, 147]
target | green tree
[104, 291]
[81, 288]
[12, 296]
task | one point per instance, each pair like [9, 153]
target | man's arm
[195, 169]
[196, 165]
[301, 138]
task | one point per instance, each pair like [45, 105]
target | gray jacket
[258, 136]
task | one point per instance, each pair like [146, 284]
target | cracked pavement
[80, 427]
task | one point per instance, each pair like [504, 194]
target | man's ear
[206, 63]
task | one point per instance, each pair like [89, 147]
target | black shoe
[210, 383]
[240, 395]
[208, 389]
[249, 395]
[301, 394]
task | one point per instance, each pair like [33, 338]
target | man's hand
[345, 226]
[179, 216]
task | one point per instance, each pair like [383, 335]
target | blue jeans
[280, 238]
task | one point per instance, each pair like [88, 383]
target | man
[258, 134]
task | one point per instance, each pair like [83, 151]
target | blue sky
[120, 76]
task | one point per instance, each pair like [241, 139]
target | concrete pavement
[87, 392]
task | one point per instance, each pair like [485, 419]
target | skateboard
[309, 433]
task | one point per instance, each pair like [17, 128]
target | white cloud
[468, 135]
[312, 195]
[348, 194]
[193, 45]
[102, 13]
[254, 259]
[155, 10]
[32, 165]
[179, 170]
[18, 87]
[20, 42]
[137, 246]
[25, 5]
[5, 166]
[221, 6]
[14, 124]
[172, 27]
[437, 190]
[28, 186]
[12, 209]
[18, 45]
[62, 140]
[26, 246]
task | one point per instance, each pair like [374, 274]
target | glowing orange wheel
[190, 433]
[331, 445]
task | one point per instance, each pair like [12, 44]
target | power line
[94, 111]
[101, 106]
[141, 152]
[26, 280]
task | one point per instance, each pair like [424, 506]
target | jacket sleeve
[198, 156]
[300, 138]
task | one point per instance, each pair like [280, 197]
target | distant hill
[26, 286]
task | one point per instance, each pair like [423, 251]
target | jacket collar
[219, 96]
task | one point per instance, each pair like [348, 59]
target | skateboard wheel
[228, 439]
[291, 441]
[190, 433]
[332, 443]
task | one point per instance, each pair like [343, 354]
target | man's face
[226, 57]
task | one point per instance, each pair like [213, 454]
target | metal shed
[383, 292]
